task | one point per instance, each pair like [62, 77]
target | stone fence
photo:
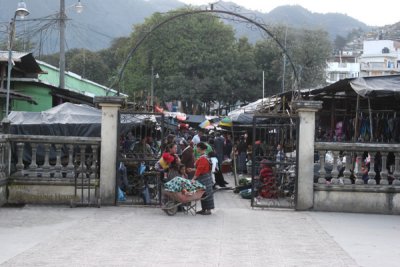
[48, 169]
[360, 177]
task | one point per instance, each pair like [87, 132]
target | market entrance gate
[274, 161]
[140, 135]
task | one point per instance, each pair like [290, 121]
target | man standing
[242, 155]
[219, 147]
[188, 160]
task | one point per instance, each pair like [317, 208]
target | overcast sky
[373, 13]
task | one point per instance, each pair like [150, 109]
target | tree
[200, 61]
[339, 42]
[88, 64]
[192, 55]
[245, 77]
[310, 52]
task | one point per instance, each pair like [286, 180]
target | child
[182, 171]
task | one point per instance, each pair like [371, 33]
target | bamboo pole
[356, 119]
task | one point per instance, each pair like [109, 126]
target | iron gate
[140, 135]
[274, 170]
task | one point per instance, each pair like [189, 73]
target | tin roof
[24, 62]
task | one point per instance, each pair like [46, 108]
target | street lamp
[79, 7]
[20, 12]
[152, 87]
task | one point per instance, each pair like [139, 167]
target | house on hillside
[34, 85]
[380, 57]
[342, 66]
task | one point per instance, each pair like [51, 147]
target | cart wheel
[171, 208]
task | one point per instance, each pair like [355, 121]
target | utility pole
[152, 89]
[62, 44]
[284, 64]
[263, 88]
[156, 76]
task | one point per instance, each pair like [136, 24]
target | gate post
[305, 153]
[109, 146]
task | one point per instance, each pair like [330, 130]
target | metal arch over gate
[214, 11]
[274, 161]
[140, 135]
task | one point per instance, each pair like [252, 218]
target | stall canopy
[63, 120]
[66, 113]
[197, 119]
[67, 120]
[245, 114]
[376, 86]
[373, 86]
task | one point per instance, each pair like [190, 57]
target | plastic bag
[121, 195]
[142, 168]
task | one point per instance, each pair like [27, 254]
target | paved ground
[235, 235]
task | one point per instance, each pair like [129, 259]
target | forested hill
[103, 20]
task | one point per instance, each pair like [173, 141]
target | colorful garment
[178, 184]
[268, 184]
[203, 174]
[197, 154]
[207, 202]
[203, 166]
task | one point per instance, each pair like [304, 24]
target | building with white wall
[342, 66]
[380, 57]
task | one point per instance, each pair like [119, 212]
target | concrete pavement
[234, 235]
[370, 239]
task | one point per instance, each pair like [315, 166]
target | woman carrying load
[203, 175]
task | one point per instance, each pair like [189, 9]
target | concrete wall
[305, 149]
[46, 194]
[356, 198]
[109, 147]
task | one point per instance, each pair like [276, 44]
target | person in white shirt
[196, 138]
[214, 167]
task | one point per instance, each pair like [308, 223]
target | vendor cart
[187, 200]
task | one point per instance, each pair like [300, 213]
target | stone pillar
[305, 152]
[109, 146]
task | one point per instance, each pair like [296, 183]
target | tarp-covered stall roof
[380, 86]
[66, 113]
[67, 120]
[374, 86]
[245, 114]
[378, 93]
[63, 120]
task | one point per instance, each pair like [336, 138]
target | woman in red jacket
[203, 175]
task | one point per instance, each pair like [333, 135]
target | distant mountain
[297, 16]
[94, 28]
[101, 21]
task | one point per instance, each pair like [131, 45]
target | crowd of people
[198, 157]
